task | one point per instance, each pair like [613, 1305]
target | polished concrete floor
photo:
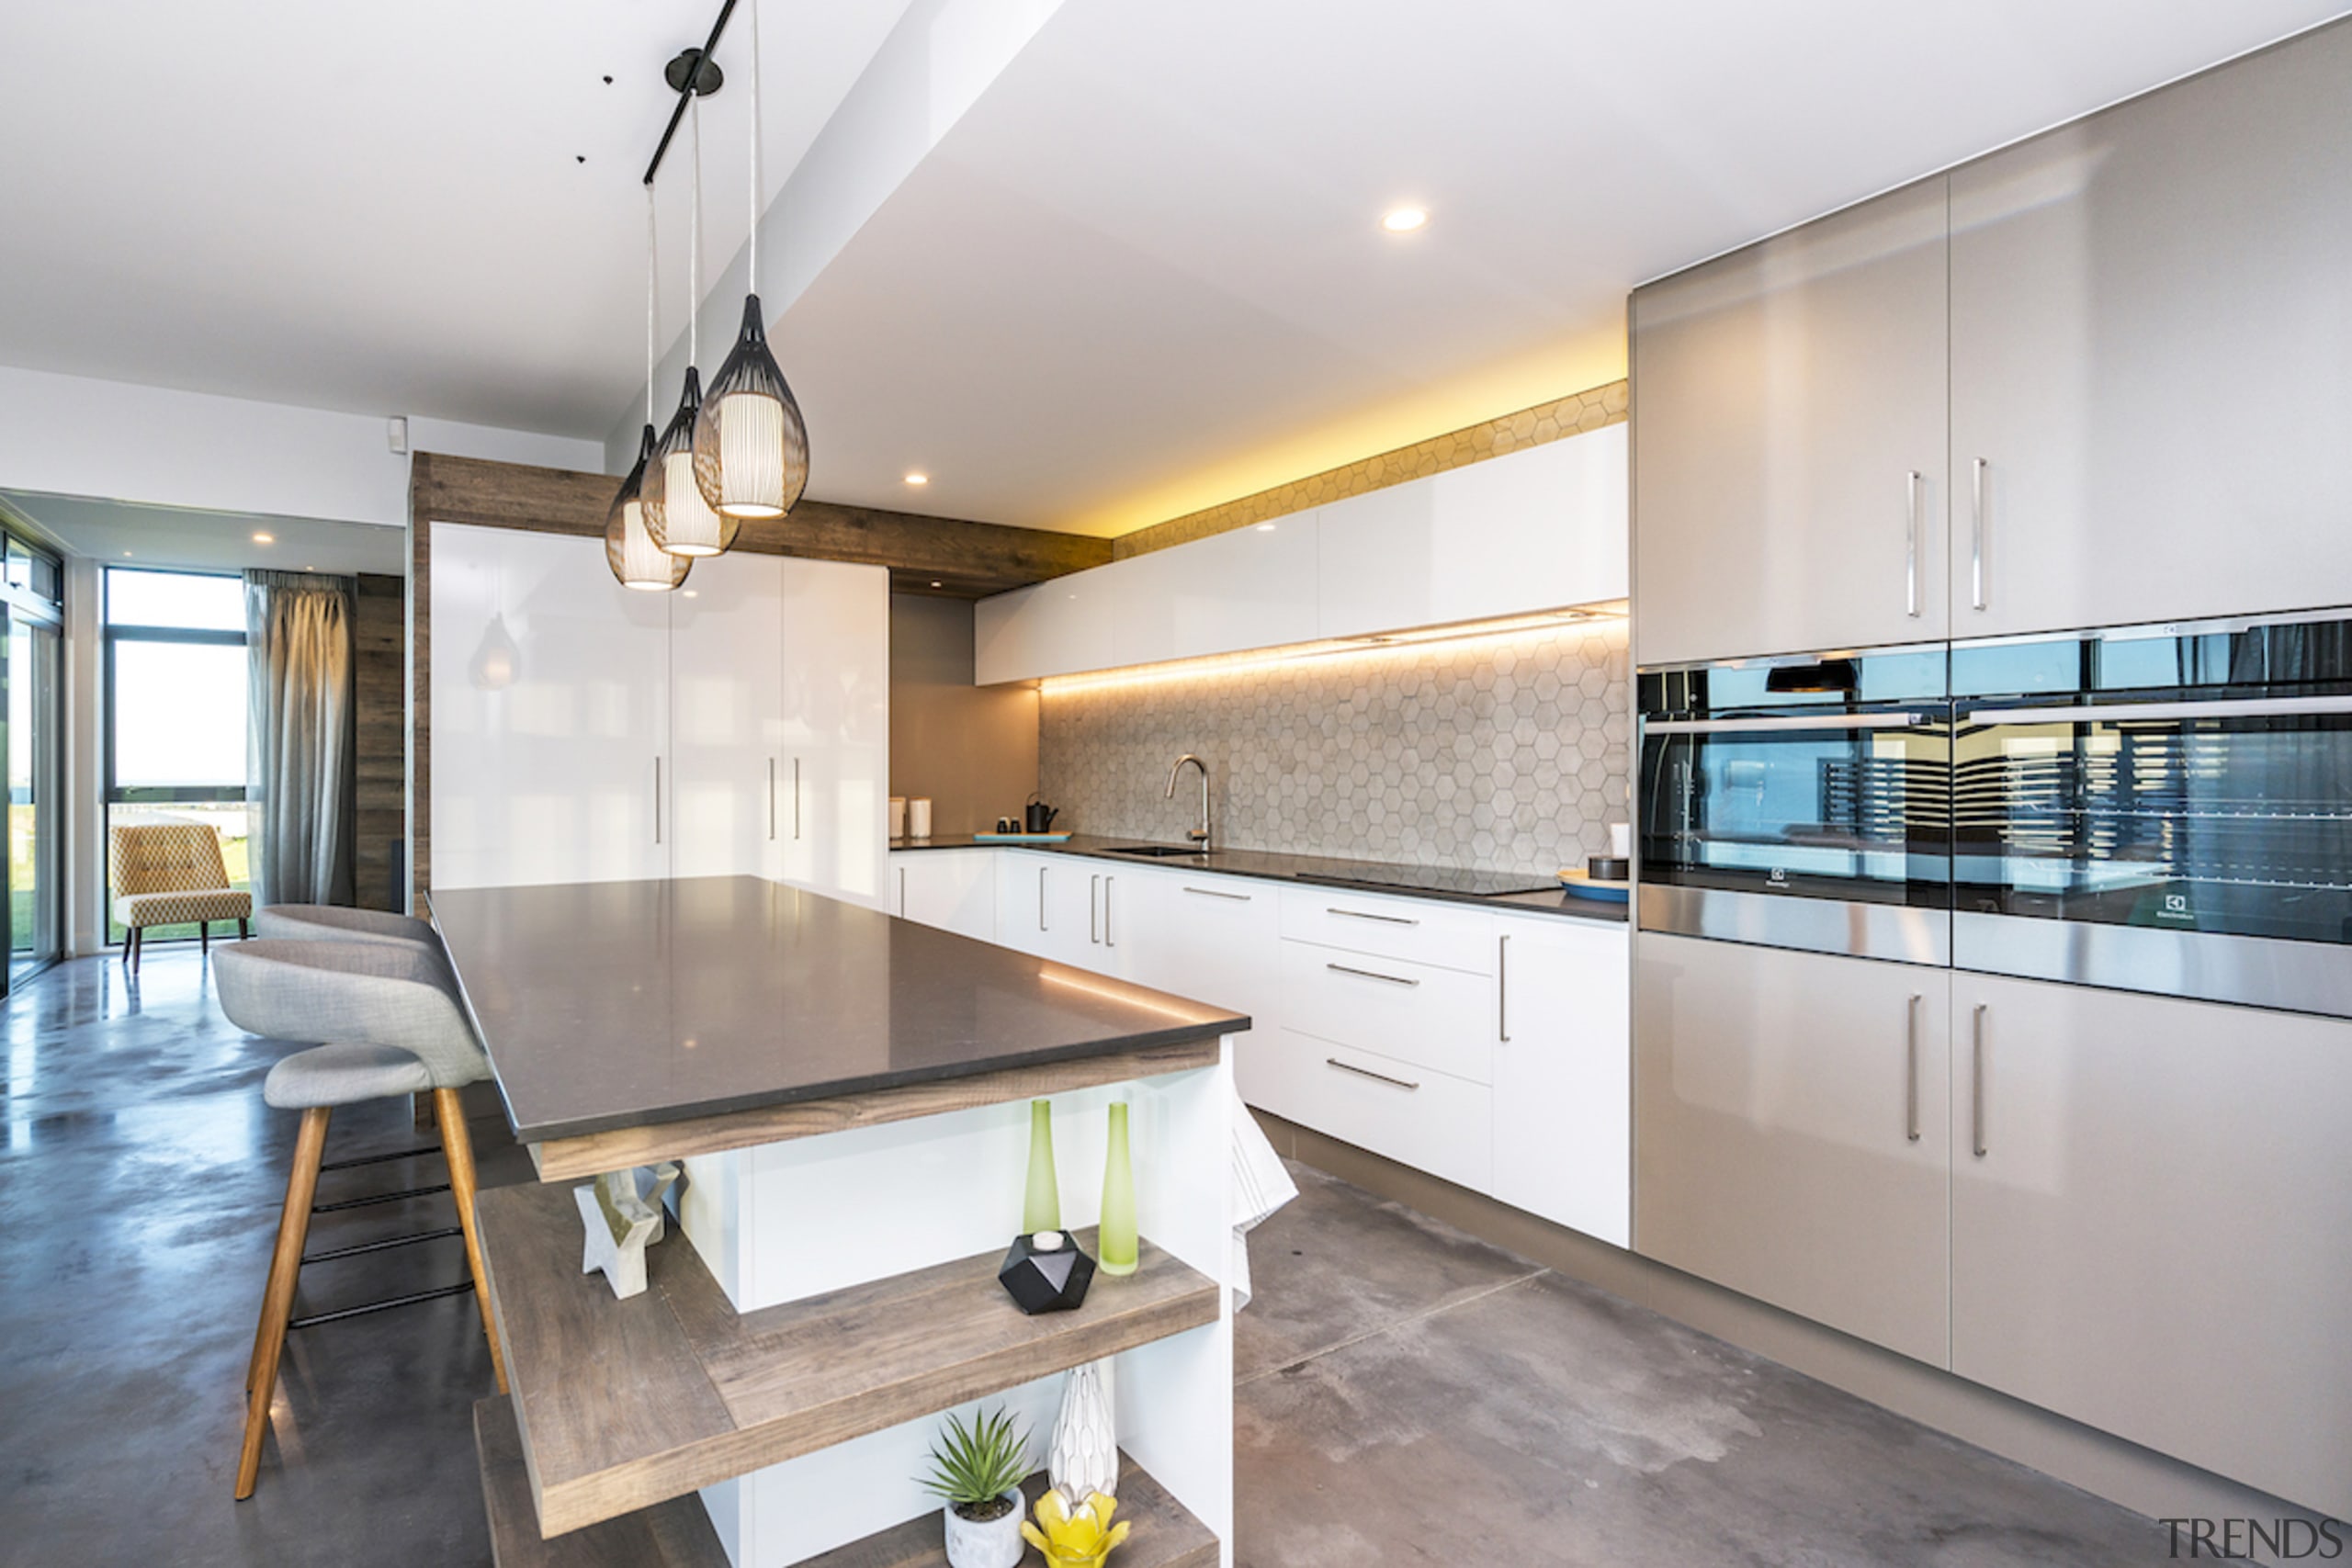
[1406, 1394]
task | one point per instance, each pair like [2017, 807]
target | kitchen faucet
[1199, 835]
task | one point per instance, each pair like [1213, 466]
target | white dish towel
[1260, 1186]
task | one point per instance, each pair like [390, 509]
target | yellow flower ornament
[1080, 1538]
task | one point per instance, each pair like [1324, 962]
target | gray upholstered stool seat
[344, 1073]
[332, 922]
[389, 1013]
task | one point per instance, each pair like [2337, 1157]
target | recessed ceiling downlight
[918, 478]
[1404, 219]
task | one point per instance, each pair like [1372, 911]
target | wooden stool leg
[459, 1145]
[277, 1300]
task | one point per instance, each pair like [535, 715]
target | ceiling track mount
[693, 73]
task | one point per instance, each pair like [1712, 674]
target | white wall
[72, 435]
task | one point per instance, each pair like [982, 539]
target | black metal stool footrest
[316, 1318]
[378, 1198]
[384, 1245]
[378, 1160]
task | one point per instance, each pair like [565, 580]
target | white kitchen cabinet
[1046, 904]
[833, 739]
[1419, 931]
[550, 714]
[1440, 1018]
[2153, 1239]
[1211, 939]
[1792, 1135]
[1254, 587]
[1792, 408]
[1537, 529]
[726, 716]
[1562, 1065]
[951, 889]
[1061, 627]
[1402, 1110]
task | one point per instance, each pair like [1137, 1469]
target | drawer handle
[1370, 975]
[1360, 914]
[1368, 1073]
[1213, 893]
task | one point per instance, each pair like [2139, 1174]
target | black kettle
[1037, 816]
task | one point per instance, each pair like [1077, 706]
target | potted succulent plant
[978, 1469]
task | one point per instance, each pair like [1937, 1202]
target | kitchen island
[848, 1094]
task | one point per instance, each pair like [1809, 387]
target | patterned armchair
[167, 874]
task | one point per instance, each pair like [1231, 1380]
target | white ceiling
[121, 532]
[1145, 272]
[1142, 275]
[375, 208]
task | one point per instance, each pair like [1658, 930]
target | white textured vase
[1084, 1458]
[991, 1543]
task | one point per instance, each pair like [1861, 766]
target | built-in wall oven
[2159, 808]
[1800, 802]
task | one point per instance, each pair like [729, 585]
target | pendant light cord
[653, 297]
[752, 285]
[694, 249]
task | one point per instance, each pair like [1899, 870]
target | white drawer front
[1436, 1017]
[1416, 1117]
[1420, 929]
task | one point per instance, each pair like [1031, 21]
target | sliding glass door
[31, 680]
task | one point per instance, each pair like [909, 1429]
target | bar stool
[390, 1013]
[336, 922]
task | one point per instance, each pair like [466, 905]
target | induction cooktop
[1435, 879]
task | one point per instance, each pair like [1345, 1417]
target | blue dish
[1581, 885]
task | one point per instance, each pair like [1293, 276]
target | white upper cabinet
[726, 703]
[1537, 529]
[1789, 401]
[1251, 588]
[1540, 529]
[2151, 357]
[551, 695]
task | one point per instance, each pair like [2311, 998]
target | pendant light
[629, 549]
[750, 444]
[675, 514]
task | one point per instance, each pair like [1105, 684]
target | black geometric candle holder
[1046, 1273]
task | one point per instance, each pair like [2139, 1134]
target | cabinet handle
[796, 800]
[1976, 532]
[1041, 897]
[1502, 988]
[1977, 1089]
[1368, 1073]
[1370, 975]
[1213, 893]
[1912, 484]
[1108, 882]
[1093, 889]
[772, 801]
[1911, 1069]
[902, 893]
[657, 800]
[1360, 914]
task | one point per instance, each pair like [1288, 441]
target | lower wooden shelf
[621, 1405]
[678, 1533]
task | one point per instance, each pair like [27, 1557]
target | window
[176, 710]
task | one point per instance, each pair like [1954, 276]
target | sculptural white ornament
[621, 1214]
[1084, 1456]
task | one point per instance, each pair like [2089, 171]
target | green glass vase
[1042, 1209]
[1117, 1242]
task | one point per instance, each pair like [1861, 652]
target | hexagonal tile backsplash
[1507, 753]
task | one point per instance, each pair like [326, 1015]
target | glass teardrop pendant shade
[637, 561]
[750, 444]
[680, 521]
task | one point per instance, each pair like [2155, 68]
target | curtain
[302, 737]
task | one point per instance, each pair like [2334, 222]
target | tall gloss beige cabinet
[1789, 441]
[2152, 1224]
[2151, 357]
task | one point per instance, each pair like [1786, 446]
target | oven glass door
[2228, 818]
[1847, 806]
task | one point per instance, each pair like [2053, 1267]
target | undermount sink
[1160, 852]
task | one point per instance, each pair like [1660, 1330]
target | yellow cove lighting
[1385, 644]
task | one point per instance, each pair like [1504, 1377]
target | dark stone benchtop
[1268, 865]
[617, 1004]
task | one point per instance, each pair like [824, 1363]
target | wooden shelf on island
[621, 1405]
[678, 1533]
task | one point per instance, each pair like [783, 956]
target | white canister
[919, 816]
[1621, 840]
[897, 817]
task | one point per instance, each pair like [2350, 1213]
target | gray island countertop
[618, 1004]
